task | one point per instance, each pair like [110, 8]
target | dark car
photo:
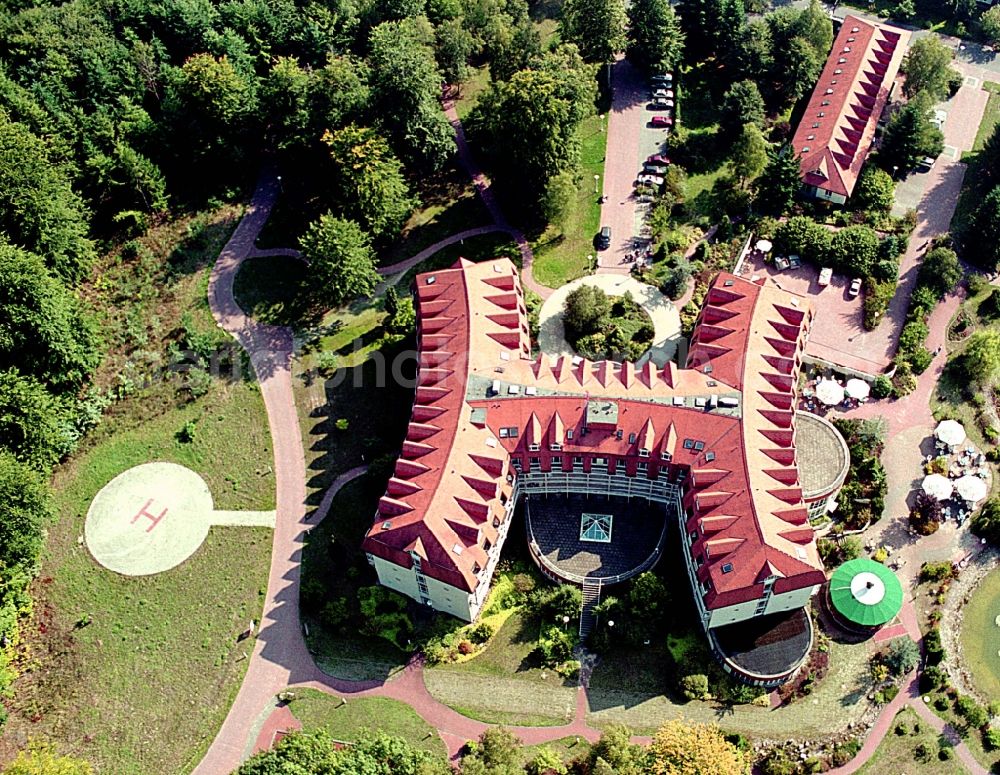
[603, 240]
[658, 158]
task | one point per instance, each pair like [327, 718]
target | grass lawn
[561, 257]
[347, 720]
[144, 687]
[950, 398]
[332, 555]
[981, 636]
[991, 116]
[505, 679]
[896, 752]
[477, 82]
[971, 737]
[267, 288]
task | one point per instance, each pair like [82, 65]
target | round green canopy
[866, 592]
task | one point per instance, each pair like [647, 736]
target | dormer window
[841, 61]
[476, 568]
[821, 113]
[631, 438]
[815, 125]
[555, 446]
[811, 137]
[837, 72]
[532, 448]
[666, 456]
[824, 103]
[619, 433]
[829, 91]
[643, 453]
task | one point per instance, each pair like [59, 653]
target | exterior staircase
[591, 597]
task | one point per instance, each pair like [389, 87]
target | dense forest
[117, 115]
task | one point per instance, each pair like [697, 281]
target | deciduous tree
[742, 104]
[854, 250]
[982, 238]
[585, 311]
[940, 271]
[406, 85]
[989, 23]
[655, 37]
[341, 261]
[749, 154]
[695, 749]
[979, 363]
[875, 190]
[24, 510]
[369, 179]
[927, 68]
[42, 331]
[597, 27]
[30, 420]
[780, 182]
[909, 137]
[42, 759]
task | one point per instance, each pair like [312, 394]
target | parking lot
[837, 334]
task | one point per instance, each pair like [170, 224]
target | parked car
[661, 103]
[654, 169]
[855, 287]
[925, 164]
[658, 158]
[781, 263]
[794, 262]
[604, 238]
[661, 122]
[663, 94]
[939, 118]
[649, 180]
[825, 276]
[667, 78]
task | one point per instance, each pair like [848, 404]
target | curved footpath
[280, 658]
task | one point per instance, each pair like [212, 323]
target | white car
[855, 287]
[825, 276]
[939, 118]
[649, 180]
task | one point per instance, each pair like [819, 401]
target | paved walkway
[666, 319]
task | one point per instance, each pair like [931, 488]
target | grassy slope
[991, 116]
[502, 682]
[895, 752]
[144, 687]
[348, 720]
[560, 258]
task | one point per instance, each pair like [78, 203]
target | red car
[661, 121]
[658, 158]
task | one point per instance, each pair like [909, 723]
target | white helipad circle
[148, 519]
[867, 588]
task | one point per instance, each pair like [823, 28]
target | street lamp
[602, 122]
[597, 179]
[565, 620]
[590, 261]
[611, 623]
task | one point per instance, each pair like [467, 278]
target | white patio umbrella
[764, 245]
[829, 392]
[937, 486]
[858, 388]
[950, 432]
[971, 488]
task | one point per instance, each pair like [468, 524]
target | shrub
[902, 656]
[946, 752]
[973, 713]
[940, 271]
[935, 651]
[991, 739]
[912, 337]
[900, 729]
[336, 613]
[936, 571]
[550, 604]
[524, 583]
[188, 432]
[481, 633]
[326, 363]
[694, 687]
[466, 647]
[882, 387]
[926, 515]
[555, 645]
[844, 752]
[920, 360]
[877, 298]
[932, 678]
[922, 753]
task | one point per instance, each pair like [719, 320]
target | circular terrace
[577, 537]
[822, 456]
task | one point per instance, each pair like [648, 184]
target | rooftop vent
[431, 280]
[727, 567]
[728, 283]
[386, 525]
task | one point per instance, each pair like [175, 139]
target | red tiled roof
[836, 131]
[742, 492]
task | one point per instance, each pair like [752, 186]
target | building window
[595, 527]
[555, 447]
[569, 435]
[692, 536]
[496, 521]
[688, 443]
[557, 461]
[600, 461]
[631, 438]
[699, 446]
[642, 466]
[643, 453]
[535, 464]
[577, 461]
[532, 448]
[487, 545]
[516, 462]
[665, 456]
[727, 567]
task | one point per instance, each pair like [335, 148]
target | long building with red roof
[714, 442]
[836, 131]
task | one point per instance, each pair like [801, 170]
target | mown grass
[981, 636]
[990, 760]
[136, 674]
[477, 82]
[505, 683]
[484, 247]
[991, 116]
[896, 752]
[346, 719]
[562, 256]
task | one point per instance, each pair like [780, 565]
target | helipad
[151, 518]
